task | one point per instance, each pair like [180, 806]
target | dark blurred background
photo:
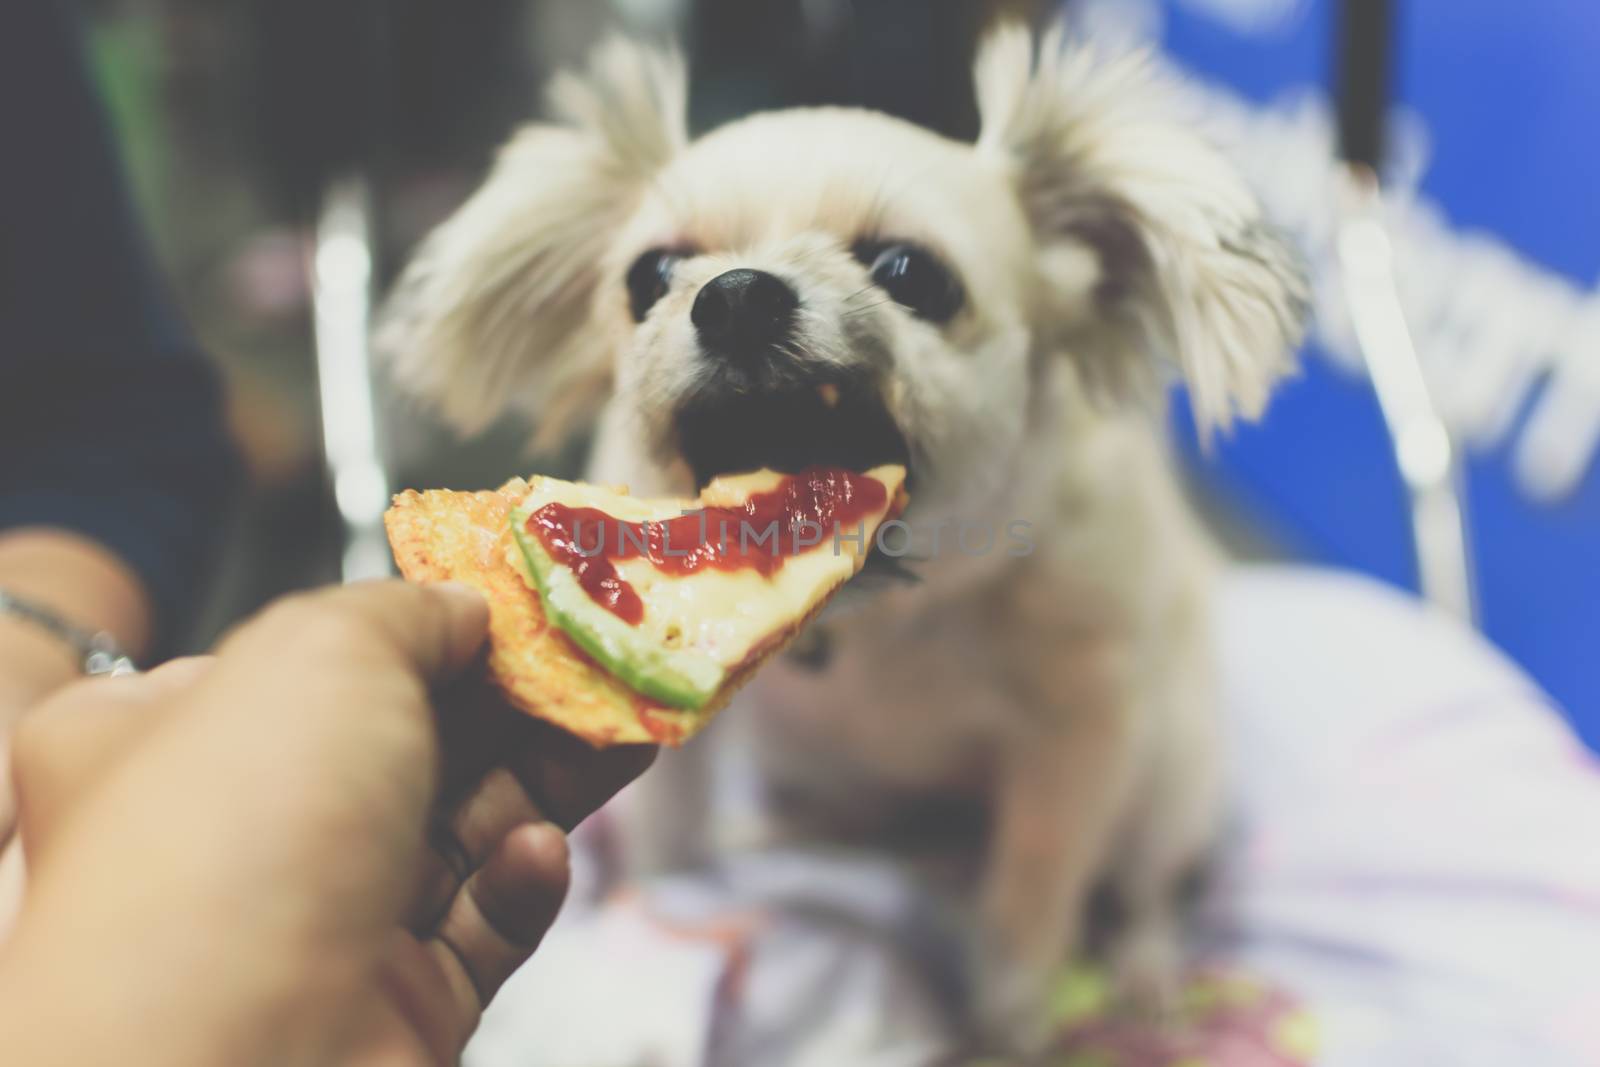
[235, 117]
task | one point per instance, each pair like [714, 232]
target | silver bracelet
[97, 651]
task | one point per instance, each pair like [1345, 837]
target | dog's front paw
[1011, 1006]
[1146, 964]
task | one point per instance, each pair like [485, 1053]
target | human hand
[230, 857]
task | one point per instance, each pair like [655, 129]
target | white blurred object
[1423, 449]
[342, 303]
[1563, 432]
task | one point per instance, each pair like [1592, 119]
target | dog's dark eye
[649, 278]
[913, 277]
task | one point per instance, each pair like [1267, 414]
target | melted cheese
[698, 627]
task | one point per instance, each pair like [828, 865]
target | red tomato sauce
[804, 511]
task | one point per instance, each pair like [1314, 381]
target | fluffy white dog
[837, 286]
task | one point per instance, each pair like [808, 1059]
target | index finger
[430, 630]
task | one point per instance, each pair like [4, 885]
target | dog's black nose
[743, 313]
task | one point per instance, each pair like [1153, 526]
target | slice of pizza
[626, 620]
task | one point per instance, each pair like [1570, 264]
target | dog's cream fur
[1098, 241]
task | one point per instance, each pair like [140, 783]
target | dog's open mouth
[827, 424]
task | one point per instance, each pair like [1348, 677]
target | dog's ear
[1149, 244]
[491, 314]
